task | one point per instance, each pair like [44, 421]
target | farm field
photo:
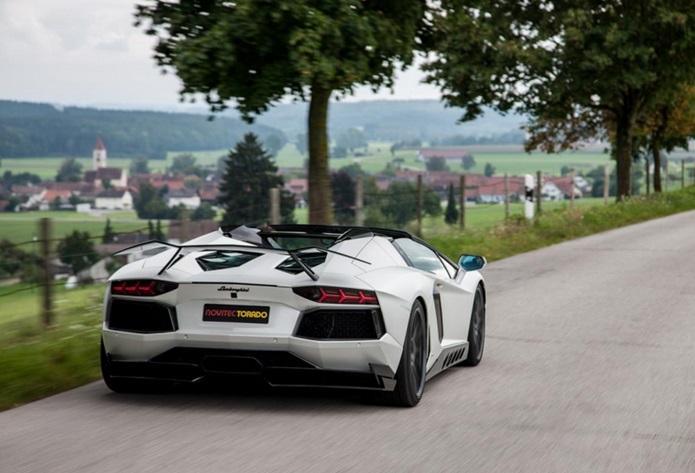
[505, 159]
[23, 227]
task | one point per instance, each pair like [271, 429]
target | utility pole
[572, 188]
[682, 173]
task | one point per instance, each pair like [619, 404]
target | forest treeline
[37, 130]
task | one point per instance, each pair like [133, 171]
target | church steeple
[99, 155]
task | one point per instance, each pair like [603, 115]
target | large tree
[258, 51]
[557, 60]
[249, 175]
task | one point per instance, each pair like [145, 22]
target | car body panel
[369, 263]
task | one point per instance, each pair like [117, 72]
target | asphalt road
[589, 367]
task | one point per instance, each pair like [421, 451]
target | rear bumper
[277, 368]
[280, 361]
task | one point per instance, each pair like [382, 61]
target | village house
[114, 199]
[186, 197]
[559, 188]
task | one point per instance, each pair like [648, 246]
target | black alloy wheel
[412, 370]
[476, 330]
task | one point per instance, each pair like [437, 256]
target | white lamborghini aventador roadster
[296, 305]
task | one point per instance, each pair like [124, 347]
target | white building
[114, 199]
[186, 197]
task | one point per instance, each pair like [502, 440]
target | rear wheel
[410, 377]
[476, 330]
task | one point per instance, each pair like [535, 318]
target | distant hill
[39, 129]
[392, 120]
[35, 129]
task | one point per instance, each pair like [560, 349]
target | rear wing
[183, 250]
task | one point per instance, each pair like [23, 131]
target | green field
[24, 227]
[506, 159]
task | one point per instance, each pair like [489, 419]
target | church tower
[99, 155]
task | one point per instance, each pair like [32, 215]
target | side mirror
[472, 262]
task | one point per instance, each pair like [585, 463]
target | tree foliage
[572, 65]
[436, 163]
[205, 211]
[398, 204]
[249, 175]
[149, 203]
[186, 164]
[109, 236]
[139, 165]
[468, 162]
[77, 251]
[256, 52]
[352, 139]
[70, 171]
[15, 262]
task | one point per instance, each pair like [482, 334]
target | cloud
[87, 52]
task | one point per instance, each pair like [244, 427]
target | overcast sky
[87, 52]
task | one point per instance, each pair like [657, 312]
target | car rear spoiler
[157, 244]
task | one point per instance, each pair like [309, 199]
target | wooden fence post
[539, 185]
[359, 201]
[506, 196]
[419, 205]
[462, 202]
[274, 205]
[45, 232]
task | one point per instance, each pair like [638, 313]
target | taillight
[337, 295]
[142, 287]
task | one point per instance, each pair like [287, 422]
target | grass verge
[37, 362]
[519, 235]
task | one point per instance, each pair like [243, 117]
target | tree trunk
[623, 153]
[320, 198]
[656, 156]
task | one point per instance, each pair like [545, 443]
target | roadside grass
[37, 362]
[519, 235]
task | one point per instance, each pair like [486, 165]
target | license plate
[236, 313]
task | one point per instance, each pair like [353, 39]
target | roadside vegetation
[37, 362]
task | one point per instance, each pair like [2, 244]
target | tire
[476, 330]
[412, 369]
[120, 385]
